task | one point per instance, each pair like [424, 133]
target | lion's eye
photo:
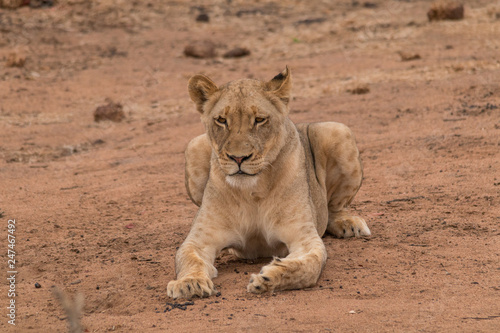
[221, 120]
[260, 120]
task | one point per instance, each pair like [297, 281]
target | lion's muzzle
[239, 159]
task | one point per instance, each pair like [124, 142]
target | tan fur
[265, 187]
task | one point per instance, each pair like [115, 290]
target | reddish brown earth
[100, 208]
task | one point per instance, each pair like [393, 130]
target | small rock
[112, 111]
[15, 60]
[237, 53]
[98, 142]
[202, 49]
[68, 150]
[38, 285]
[352, 312]
[203, 18]
[41, 3]
[311, 21]
[254, 11]
[13, 4]
[76, 282]
[359, 89]
[112, 51]
[406, 56]
[446, 11]
[370, 5]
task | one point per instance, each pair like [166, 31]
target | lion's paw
[346, 226]
[268, 279]
[190, 286]
[260, 283]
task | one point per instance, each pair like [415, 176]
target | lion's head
[245, 121]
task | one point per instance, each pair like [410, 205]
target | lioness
[265, 187]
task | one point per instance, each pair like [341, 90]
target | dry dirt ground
[100, 208]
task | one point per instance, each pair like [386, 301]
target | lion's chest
[256, 236]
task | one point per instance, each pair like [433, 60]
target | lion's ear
[281, 85]
[200, 89]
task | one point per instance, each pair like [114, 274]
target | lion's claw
[189, 287]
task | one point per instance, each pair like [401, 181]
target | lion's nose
[239, 159]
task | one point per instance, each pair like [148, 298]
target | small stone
[38, 285]
[359, 89]
[98, 142]
[13, 4]
[311, 21]
[41, 3]
[111, 111]
[15, 60]
[407, 56]
[370, 5]
[237, 53]
[352, 312]
[202, 49]
[445, 11]
[203, 18]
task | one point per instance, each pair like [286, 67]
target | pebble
[202, 49]
[359, 90]
[111, 111]
[203, 18]
[237, 53]
[446, 11]
[406, 56]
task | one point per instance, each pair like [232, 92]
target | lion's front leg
[195, 271]
[300, 269]
[194, 262]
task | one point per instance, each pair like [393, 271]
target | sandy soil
[100, 208]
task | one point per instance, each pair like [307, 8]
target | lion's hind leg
[197, 154]
[342, 170]
[342, 224]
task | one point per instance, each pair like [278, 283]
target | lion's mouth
[243, 173]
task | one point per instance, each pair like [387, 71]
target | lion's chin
[242, 180]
